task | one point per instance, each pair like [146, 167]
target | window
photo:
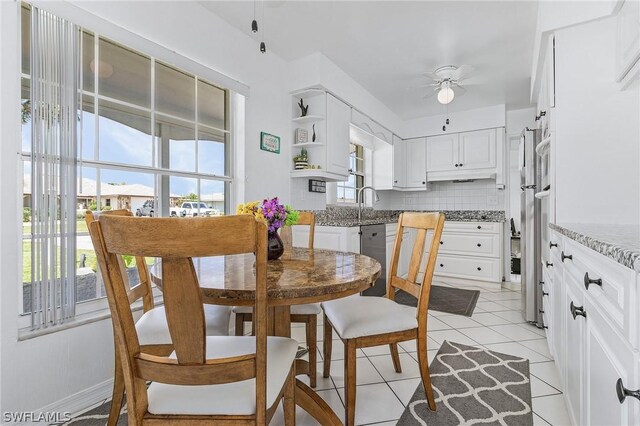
[149, 135]
[348, 190]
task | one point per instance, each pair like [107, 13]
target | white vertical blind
[54, 92]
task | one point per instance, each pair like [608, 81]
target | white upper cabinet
[477, 150]
[442, 153]
[399, 163]
[383, 161]
[338, 120]
[416, 150]
[468, 155]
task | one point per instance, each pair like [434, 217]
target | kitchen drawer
[474, 268]
[613, 296]
[484, 227]
[476, 244]
[556, 243]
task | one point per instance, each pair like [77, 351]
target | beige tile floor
[496, 324]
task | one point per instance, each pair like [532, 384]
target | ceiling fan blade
[463, 72]
[429, 95]
[434, 84]
[432, 75]
[459, 90]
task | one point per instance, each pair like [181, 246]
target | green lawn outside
[92, 261]
[81, 226]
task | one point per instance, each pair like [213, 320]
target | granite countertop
[348, 216]
[618, 242]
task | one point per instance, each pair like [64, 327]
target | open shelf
[308, 93]
[308, 119]
[318, 173]
[307, 144]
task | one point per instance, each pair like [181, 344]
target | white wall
[317, 69]
[463, 121]
[597, 130]
[51, 369]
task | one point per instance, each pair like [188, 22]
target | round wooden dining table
[299, 276]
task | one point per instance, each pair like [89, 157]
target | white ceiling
[386, 45]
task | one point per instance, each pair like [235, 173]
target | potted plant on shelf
[301, 161]
[275, 215]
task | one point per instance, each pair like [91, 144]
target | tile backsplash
[476, 195]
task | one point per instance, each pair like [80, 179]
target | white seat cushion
[358, 316]
[152, 326]
[230, 398]
[306, 309]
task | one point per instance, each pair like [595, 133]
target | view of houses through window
[152, 139]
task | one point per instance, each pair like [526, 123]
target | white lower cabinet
[339, 238]
[592, 346]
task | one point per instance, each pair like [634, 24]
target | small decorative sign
[302, 136]
[269, 142]
[317, 186]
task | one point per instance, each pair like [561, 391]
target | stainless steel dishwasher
[373, 244]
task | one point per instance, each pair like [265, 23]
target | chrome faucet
[360, 200]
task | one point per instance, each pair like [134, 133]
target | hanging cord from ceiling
[254, 23]
[263, 47]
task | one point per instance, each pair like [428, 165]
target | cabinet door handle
[479, 268]
[577, 310]
[479, 227]
[479, 245]
[457, 165]
[441, 265]
[565, 256]
[623, 392]
[544, 293]
[441, 242]
[588, 281]
[424, 183]
[548, 264]
[552, 245]
[460, 164]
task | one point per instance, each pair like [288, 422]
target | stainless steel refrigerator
[531, 226]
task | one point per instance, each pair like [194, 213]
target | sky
[122, 144]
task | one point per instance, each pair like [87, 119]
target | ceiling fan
[447, 82]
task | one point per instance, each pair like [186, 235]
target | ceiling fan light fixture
[445, 95]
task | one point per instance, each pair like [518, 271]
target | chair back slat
[304, 218]
[177, 237]
[424, 224]
[214, 372]
[416, 256]
[184, 310]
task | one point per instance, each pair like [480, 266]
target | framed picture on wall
[269, 142]
[302, 136]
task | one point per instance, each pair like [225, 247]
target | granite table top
[618, 242]
[348, 217]
[299, 276]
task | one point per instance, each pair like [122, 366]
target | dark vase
[275, 247]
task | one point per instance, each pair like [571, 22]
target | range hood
[464, 176]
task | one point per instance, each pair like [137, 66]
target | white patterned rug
[473, 386]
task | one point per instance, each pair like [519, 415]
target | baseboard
[74, 404]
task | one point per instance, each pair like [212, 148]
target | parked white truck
[187, 208]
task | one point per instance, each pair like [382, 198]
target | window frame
[96, 307]
[356, 156]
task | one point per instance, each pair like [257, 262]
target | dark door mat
[452, 300]
[473, 386]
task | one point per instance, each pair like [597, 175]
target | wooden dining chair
[152, 325]
[306, 313]
[365, 321]
[211, 379]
